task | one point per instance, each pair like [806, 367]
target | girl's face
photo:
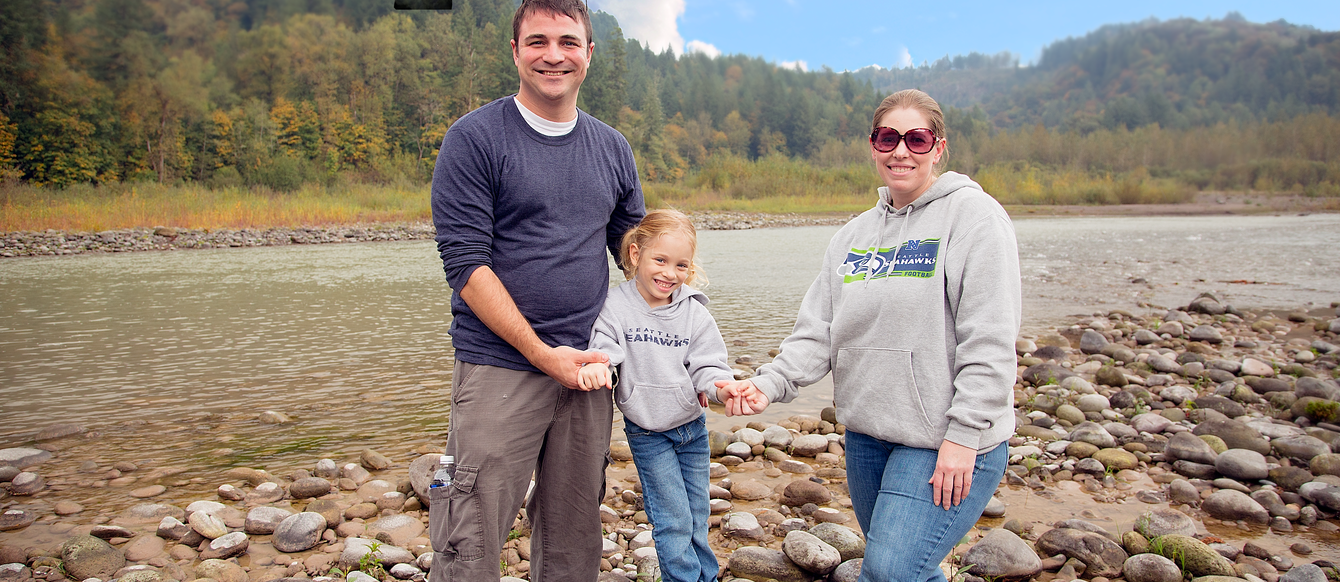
[662, 266]
[906, 174]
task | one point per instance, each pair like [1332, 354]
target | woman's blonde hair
[655, 224]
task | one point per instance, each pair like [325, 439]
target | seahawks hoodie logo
[915, 258]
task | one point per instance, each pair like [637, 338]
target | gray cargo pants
[506, 424]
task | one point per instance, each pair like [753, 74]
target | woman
[915, 313]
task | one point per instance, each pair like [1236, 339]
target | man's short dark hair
[574, 9]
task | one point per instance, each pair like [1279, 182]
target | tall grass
[95, 208]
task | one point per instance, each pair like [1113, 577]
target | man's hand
[563, 364]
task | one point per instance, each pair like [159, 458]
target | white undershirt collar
[542, 125]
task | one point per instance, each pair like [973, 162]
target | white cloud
[904, 58]
[698, 46]
[794, 65]
[648, 21]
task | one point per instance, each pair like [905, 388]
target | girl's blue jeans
[906, 534]
[673, 468]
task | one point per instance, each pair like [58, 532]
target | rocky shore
[1201, 443]
[164, 238]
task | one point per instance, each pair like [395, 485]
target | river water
[168, 357]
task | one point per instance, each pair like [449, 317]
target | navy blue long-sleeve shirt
[540, 211]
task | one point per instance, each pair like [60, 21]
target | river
[167, 357]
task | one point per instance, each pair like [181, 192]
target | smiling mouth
[663, 285]
[900, 169]
[553, 73]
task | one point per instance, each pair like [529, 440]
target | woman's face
[906, 174]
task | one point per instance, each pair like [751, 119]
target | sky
[851, 34]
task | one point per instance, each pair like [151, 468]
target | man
[528, 193]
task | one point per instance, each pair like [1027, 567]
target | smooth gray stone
[810, 553]
[1150, 568]
[849, 544]
[1242, 464]
[1185, 446]
[1002, 554]
[84, 556]
[1232, 505]
[1163, 521]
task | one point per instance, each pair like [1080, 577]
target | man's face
[551, 56]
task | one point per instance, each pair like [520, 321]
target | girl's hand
[593, 376]
[953, 474]
[741, 397]
[702, 399]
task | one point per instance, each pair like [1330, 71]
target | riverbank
[1207, 433]
[56, 242]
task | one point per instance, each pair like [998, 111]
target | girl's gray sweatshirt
[915, 312]
[666, 355]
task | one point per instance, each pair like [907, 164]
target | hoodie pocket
[658, 401]
[876, 391]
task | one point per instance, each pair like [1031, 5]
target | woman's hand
[953, 474]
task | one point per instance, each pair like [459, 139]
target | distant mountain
[1177, 73]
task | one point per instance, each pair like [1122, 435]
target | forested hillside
[282, 93]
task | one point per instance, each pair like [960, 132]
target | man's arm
[493, 305]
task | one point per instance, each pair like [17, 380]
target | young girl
[658, 330]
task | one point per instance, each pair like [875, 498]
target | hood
[946, 184]
[677, 299]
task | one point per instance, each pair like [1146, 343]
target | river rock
[748, 436]
[1117, 459]
[741, 525]
[1316, 409]
[356, 549]
[1101, 556]
[1185, 446]
[1002, 554]
[1242, 464]
[777, 437]
[1233, 505]
[1206, 333]
[1150, 568]
[221, 570]
[207, 525]
[849, 544]
[355, 472]
[1235, 434]
[1150, 422]
[1304, 573]
[1315, 387]
[329, 509]
[421, 471]
[1045, 373]
[1094, 434]
[84, 557]
[16, 519]
[1177, 394]
[1199, 558]
[1163, 364]
[1300, 447]
[809, 445]
[1111, 376]
[1255, 367]
[300, 532]
[142, 548]
[274, 417]
[27, 483]
[810, 553]
[1325, 464]
[402, 528]
[750, 490]
[1092, 342]
[23, 458]
[1145, 337]
[1220, 404]
[309, 487]
[226, 546]
[757, 563]
[1164, 521]
[268, 492]
[802, 491]
[1268, 385]
[1093, 403]
[741, 450]
[1172, 328]
[1290, 478]
[373, 460]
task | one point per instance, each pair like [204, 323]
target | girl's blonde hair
[655, 224]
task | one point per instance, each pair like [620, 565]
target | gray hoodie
[915, 312]
[666, 355]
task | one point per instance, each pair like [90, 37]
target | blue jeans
[673, 467]
[906, 535]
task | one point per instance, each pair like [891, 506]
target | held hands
[953, 474]
[741, 397]
[594, 376]
[563, 364]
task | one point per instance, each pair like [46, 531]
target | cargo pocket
[455, 519]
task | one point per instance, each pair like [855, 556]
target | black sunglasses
[919, 141]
